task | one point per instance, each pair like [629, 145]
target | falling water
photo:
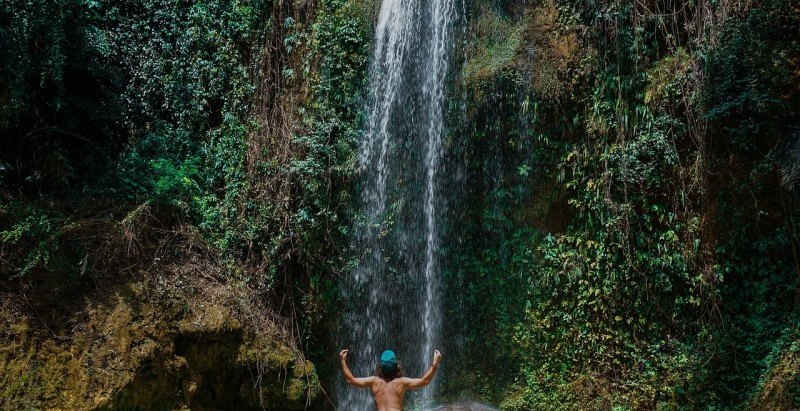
[393, 298]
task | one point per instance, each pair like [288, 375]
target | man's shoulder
[401, 381]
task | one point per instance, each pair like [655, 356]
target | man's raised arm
[414, 383]
[348, 376]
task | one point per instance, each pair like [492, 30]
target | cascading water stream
[394, 299]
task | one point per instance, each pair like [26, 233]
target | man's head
[388, 367]
[388, 362]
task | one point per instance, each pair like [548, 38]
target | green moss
[779, 386]
[132, 352]
[495, 45]
[668, 79]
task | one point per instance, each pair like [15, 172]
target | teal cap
[388, 362]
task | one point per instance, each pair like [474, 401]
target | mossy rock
[130, 353]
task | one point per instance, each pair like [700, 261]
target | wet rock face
[465, 406]
[201, 373]
[129, 353]
[206, 371]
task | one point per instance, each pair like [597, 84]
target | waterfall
[393, 297]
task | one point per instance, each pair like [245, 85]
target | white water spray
[394, 298]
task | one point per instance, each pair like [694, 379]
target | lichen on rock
[125, 351]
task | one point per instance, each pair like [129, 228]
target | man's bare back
[389, 394]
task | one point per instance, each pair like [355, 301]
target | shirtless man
[389, 386]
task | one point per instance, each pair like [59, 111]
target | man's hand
[365, 382]
[414, 383]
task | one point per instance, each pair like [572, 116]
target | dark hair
[398, 372]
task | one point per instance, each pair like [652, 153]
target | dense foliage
[632, 183]
[238, 118]
[180, 142]
[623, 180]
